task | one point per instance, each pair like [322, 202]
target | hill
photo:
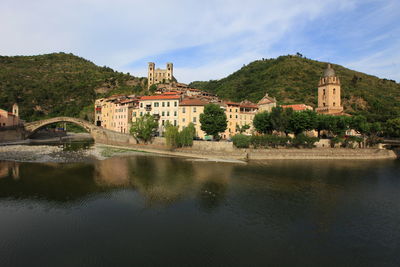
[59, 84]
[294, 79]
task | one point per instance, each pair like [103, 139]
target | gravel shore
[42, 153]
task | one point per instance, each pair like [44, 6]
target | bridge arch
[99, 134]
[32, 127]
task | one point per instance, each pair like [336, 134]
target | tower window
[334, 90]
[334, 103]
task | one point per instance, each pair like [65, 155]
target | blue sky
[206, 39]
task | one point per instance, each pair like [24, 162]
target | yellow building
[246, 115]
[329, 93]
[232, 111]
[189, 112]
[163, 107]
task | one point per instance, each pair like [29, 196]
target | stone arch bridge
[99, 134]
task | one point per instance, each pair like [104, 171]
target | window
[141, 105]
[334, 90]
[194, 119]
[175, 113]
[236, 110]
[230, 110]
[141, 113]
[176, 103]
[236, 116]
[174, 122]
[162, 122]
[183, 110]
[324, 91]
[156, 104]
[167, 113]
[194, 109]
[334, 103]
[163, 104]
[167, 104]
[230, 116]
[163, 113]
[183, 120]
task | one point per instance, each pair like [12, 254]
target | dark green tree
[262, 122]
[213, 120]
[242, 129]
[302, 121]
[280, 119]
[392, 127]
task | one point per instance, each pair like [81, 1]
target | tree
[302, 121]
[213, 120]
[262, 122]
[280, 119]
[322, 123]
[392, 127]
[242, 129]
[144, 128]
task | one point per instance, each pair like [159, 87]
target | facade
[246, 115]
[189, 112]
[329, 99]
[266, 103]
[156, 76]
[163, 107]
[9, 119]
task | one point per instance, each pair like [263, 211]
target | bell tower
[170, 71]
[15, 109]
[329, 100]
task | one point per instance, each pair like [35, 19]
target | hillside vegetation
[294, 79]
[59, 84]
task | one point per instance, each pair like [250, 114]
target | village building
[189, 112]
[266, 103]
[163, 107]
[156, 76]
[329, 91]
[246, 115]
[298, 107]
[10, 119]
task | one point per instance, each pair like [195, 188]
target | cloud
[205, 39]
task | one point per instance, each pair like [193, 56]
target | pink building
[8, 119]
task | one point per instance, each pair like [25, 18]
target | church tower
[15, 109]
[329, 93]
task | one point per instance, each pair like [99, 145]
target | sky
[206, 39]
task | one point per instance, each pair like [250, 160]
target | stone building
[329, 93]
[156, 76]
[266, 103]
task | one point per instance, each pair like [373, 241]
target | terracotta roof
[298, 107]
[266, 100]
[232, 103]
[193, 102]
[159, 97]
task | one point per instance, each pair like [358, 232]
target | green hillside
[294, 79]
[59, 84]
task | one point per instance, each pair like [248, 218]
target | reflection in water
[147, 210]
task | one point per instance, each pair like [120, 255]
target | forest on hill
[59, 84]
[294, 79]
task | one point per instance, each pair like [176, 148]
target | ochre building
[329, 93]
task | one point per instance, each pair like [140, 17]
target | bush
[336, 140]
[268, 140]
[302, 140]
[175, 138]
[350, 141]
[241, 141]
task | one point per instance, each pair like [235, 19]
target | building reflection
[9, 169]
[166, 180]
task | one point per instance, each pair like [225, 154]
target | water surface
[149, 211]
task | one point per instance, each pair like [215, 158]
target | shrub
[175, 138]
[268, 140]
[302, 140]
[336, 140]
[241, 141]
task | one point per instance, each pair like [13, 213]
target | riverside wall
[226, 150]
[11, 134]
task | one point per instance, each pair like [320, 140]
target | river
[147, 210]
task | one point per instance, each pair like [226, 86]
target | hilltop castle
[329, 93]
[156, 76]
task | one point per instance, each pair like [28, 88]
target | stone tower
[15, 109]
[329, 93]
[156, 76]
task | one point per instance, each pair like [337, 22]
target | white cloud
[117, 33]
